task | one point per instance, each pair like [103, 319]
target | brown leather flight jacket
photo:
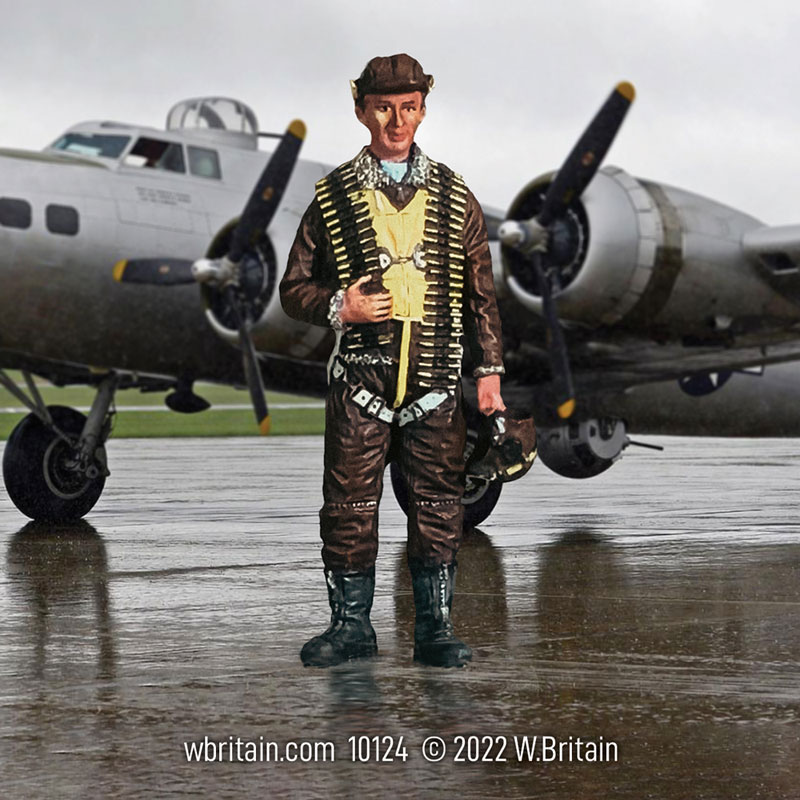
[311, 277]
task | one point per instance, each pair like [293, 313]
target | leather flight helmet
[395, 74]
[506, 447]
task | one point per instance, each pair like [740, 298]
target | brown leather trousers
[430, 452]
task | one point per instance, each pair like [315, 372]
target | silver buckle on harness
[422, 407]
[373, 405]
[362, 397]
[386, 415]
[404, 416]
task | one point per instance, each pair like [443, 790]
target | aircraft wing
[601, 367]
[781, 242]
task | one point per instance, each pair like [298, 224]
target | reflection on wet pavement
[656, 607]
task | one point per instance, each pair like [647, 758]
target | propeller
[267, 193]
[531, 236]
[222, 275]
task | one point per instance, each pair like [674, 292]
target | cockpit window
[92, 144]
[156, 154]
[203, 162]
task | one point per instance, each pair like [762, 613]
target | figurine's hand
[489, 397]
[359, 307]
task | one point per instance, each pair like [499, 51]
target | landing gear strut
[54, 464]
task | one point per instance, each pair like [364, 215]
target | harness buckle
[362, 397]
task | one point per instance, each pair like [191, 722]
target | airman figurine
[393, 254]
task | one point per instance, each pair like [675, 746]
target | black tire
[479, 498]
[37, 474]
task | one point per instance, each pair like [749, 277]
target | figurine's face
[392, 120]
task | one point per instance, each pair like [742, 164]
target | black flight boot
[434, 641]
[350, 634]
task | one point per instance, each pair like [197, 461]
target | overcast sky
[717, 111]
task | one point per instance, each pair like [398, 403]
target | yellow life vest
[399, 234]
[418, 254]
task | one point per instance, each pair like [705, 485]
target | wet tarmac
[644, 625]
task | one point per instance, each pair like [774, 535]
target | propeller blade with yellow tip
[587, 155]
[268, 191]
[252, 370]
[154, 271]
[559, 357]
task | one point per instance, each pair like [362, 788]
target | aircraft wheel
[41, 472]
[480, 497]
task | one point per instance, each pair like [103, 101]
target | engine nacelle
[643, 255]
[582, 449]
